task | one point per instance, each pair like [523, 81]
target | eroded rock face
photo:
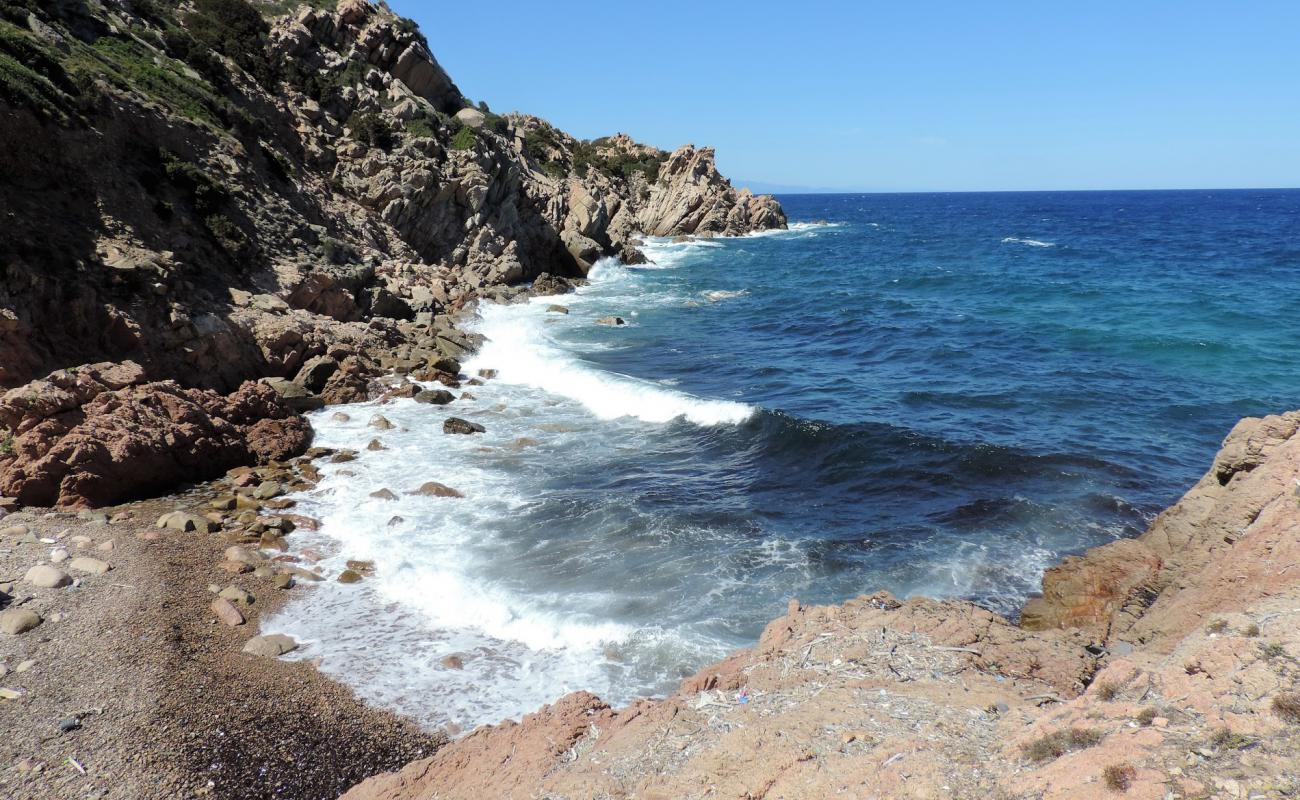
[1210, 552]
[82, 438]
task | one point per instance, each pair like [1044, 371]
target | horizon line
[803, 191]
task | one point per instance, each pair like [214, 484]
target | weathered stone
[611, 321]
[383, 494]
[226, 612]
[89, 565]
[47, 577]
[270, 645]
[14, 621]
[236, 595]
[435, 489]
[349, 576]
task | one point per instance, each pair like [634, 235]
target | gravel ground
[166, 702]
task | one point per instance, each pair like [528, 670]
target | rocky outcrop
[1191, 696]
[101, 435]
[1222, 547]
[238, 215]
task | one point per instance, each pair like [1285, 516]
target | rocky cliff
[220, 192]
[1164, 667]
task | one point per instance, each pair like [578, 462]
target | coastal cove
[935, 395]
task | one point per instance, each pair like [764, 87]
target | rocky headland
[220, 215]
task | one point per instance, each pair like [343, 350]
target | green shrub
[496, 123]
[207, 195]
[371, 129]
[465, 139]
[411, 28]
[236, 29]
[227, 233]
[420, 128]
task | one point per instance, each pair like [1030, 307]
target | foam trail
[1027, 242]
[520, 347]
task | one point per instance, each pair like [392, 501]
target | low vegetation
[1119, 777]
[1058, 743]
[1287, 706]
[464, 139]
[371, 129]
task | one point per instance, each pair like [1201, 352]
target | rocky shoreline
[303, 215]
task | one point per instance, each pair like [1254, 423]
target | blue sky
[905, 96]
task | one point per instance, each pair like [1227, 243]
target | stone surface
[226, 612]
[14, 621]
[47, 577]
[435, 489]
[270, 645]
[92, 566]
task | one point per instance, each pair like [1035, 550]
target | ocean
[937, 394]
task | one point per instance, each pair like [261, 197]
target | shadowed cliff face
[157, 159]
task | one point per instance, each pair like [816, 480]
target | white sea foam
[718, 295]
[1027, 242]
[522, 347]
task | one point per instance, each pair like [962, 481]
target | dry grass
[1119, 777]
[1217, 626]
[1147, 715]
[1287, 706]
[1058, 743]
[1108, 691]
[1225, 739]
[1252, 630]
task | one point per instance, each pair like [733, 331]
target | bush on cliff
[464, 139]
[235, 29]
[371, 129]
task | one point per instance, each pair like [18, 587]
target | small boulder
[89, 565]
[236, 595]
[375, 445]
[487, 374]
[611, 321]
[14, 621]
[440, 397]
[349, 576]
[226, 612]
[270, 645]
[383, 494]
[268, 489]
[557, 309]
[381, 422]
[47, 577]
[435, 489]
[458, 425]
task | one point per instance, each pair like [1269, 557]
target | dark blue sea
[936, 394]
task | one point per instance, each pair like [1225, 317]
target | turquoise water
[931, 394]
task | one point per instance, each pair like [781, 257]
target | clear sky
[905, 96]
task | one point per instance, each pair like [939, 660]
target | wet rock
[381, 422]
[349, 576]
[453, 662]
[462, 426]
[270, 645]
[611, 321]
[439, 397]
[375, 445]
[487, 374]
[339, 416]
[92, 566]
[226, 612]
[47, 577]
[282, 581]
[14, 621]
[554, 309]
[383, 494]
[435, 489]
